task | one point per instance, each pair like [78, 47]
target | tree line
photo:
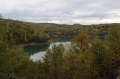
[21, 32]
[98, 60]
[27, 32]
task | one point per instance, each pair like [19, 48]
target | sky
[62, 11]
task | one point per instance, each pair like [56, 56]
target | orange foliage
[82, 41]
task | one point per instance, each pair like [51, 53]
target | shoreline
[29, 44]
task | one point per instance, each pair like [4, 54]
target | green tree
[69, 63]
[113, 39]
[98, 48]
[54, 60]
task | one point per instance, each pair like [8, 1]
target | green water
[33, 49]
[36, 52]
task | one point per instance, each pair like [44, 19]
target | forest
[21, 32]
[100, 60]
[28, 32]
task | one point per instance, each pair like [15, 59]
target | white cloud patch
[62, 11]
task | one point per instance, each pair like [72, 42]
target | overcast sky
[62, 11]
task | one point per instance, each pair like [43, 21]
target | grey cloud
[61, 11]
[98, 15]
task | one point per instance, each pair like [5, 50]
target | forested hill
[64, 30]
[101, 60]
[28, 32]
[22, 32]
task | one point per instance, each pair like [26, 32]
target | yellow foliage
[82, 41]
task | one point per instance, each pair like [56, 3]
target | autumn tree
[82, 41]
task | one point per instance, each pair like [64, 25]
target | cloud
[62, 11]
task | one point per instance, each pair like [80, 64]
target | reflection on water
[32, 49]
[38, 55]
[36, 52]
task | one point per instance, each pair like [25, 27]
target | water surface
[36, 52]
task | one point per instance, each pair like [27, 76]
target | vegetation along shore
[100, 61]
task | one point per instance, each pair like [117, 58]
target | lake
[36, 52]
